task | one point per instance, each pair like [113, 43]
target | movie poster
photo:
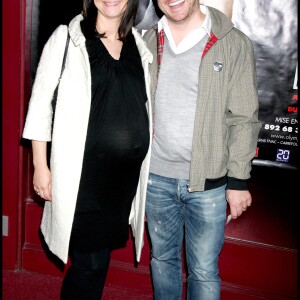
[272, 27]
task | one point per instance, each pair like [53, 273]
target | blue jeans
[173, 214]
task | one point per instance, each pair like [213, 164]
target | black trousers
[86, 276]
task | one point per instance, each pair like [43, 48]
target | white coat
[69, 132]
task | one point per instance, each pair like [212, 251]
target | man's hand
[238, 202]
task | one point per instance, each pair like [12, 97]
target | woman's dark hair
[90, 12]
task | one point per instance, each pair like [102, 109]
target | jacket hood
[220, 23]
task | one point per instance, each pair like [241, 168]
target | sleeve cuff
[237, 184]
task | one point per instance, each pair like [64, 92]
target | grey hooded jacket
[226, 120]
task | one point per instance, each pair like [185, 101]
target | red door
[13, 95]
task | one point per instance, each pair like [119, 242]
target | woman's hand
[42, 174]
[42, 182]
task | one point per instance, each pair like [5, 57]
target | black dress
[116, 144]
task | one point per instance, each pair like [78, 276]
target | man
[205, 135]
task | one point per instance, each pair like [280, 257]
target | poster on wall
[272, 27]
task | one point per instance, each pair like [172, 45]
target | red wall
[13, 57]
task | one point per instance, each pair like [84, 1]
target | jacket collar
[75, 31]
[79, 39]
[142, 47]
[220, 24]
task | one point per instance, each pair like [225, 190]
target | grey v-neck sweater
[175, 106]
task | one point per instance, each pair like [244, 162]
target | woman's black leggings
[85, 278]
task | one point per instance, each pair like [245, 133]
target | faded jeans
[174, 214]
